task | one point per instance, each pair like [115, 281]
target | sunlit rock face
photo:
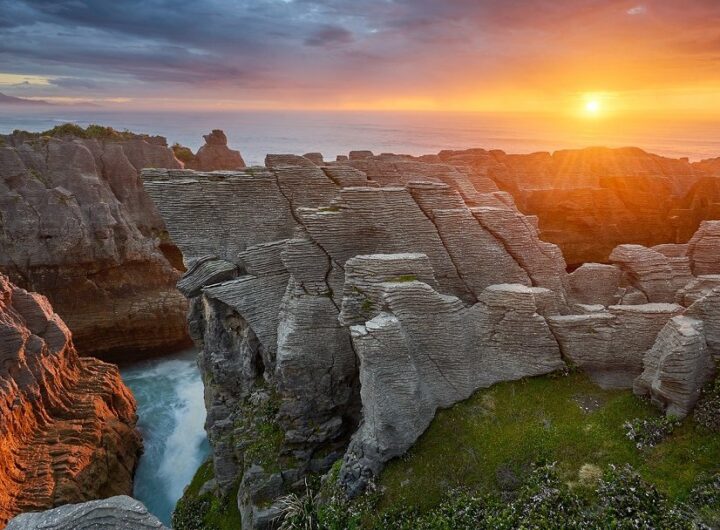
[359, 296]
[68, 423]
[78, 227]
[589, 201]
[116, 512]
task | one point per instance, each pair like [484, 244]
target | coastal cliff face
[68, 422]
[77, 226]
[340, 305]
[591, 200]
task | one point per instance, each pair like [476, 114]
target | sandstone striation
[77, 226]
[677, 367]
[338, 305]
[68, 422]
[116, 512]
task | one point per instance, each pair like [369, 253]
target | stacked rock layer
[360, 296]
[68, 423]
[77, 226]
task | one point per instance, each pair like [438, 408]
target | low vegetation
[205, 512]
[541, 453]
[99, 132]
[182, 153]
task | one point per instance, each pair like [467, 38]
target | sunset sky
[581, 56]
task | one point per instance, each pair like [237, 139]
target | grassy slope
[517, 423]
[218, 514]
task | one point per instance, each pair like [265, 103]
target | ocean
[256, 133]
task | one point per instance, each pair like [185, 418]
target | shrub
[628, 502]
[707, 410]
[648, 432]
[182, 153]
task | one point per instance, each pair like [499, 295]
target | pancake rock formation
[68, 422]
[77, 226]
[339, 305]
[115, 512]
[213, 156]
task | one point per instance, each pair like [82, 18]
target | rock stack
[68, 423]
[339, 305]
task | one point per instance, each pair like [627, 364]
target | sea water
[256, 133]
[171, 412]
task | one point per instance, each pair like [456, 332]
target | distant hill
[12, 100]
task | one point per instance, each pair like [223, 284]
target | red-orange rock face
[589, 201]
[67, 429]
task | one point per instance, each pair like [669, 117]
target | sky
[550, 56]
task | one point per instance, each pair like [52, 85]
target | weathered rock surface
[426, 350]
[610, 344]
[677, 367]
[364, 294]
[77, 226]
[215, 154]
[591, 200]
[68, 423]
[115, 513]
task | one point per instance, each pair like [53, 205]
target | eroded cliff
[68, 422]
[339, 305]
[77, 226]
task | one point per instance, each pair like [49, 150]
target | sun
[592, 106]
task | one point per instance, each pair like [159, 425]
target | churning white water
[171, 411]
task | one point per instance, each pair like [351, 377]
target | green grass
[512, 425]
[206, 512]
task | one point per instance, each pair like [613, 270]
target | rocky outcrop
[214, 155]
[425, 351]
[77, 226]
[340, 304]
[591, 200]
[677, 367]
[68, 423]
[112, 513]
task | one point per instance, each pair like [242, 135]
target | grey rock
[677, 367]
[115, 513]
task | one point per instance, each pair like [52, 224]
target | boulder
[116, 512]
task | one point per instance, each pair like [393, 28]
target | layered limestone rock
[591, 200]
[610, 344]
[426, 350]
[68, 423]
[78, 227]
[677, 367]
[704, 249]
[214, 155]
[338, 305]
[116, 512]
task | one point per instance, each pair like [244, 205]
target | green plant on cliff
[182, 153]
[99, 132]
[207, 511]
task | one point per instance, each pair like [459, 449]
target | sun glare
[592, 107]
